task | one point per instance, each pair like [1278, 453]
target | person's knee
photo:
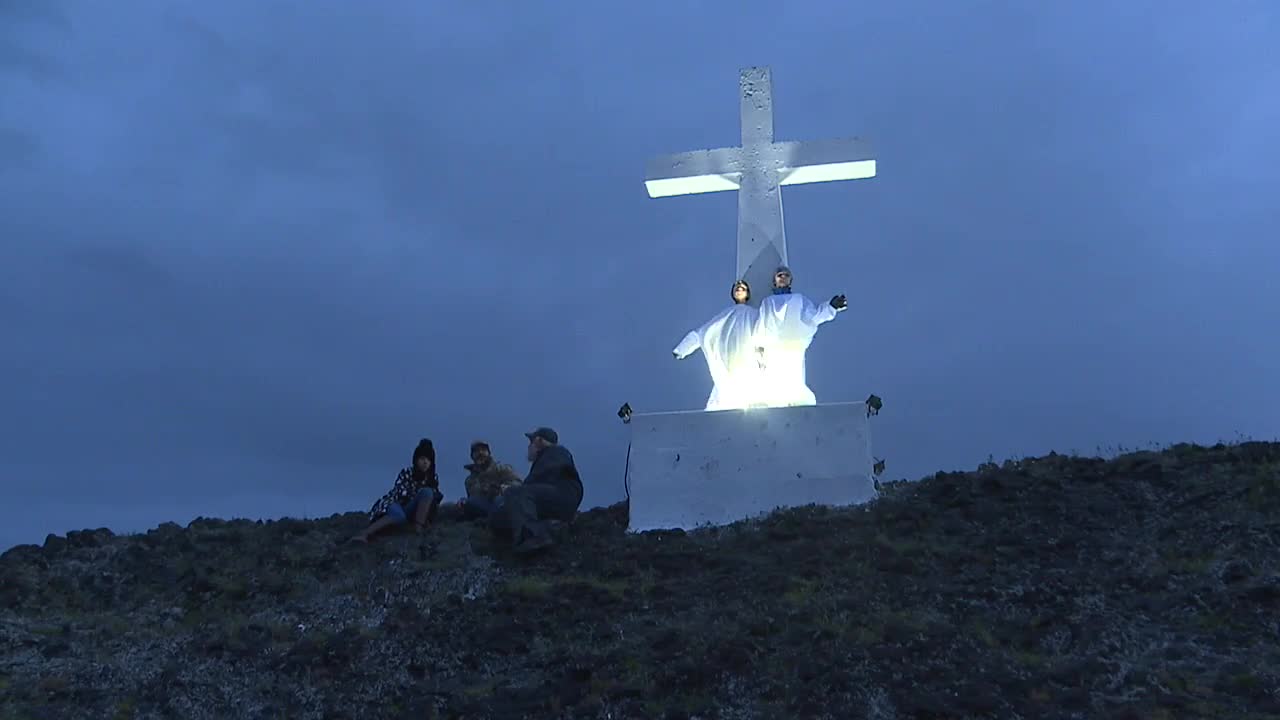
[397, 514]
[431, 496]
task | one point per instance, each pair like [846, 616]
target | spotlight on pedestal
[873, 405]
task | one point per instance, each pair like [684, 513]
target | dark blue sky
[251, 251]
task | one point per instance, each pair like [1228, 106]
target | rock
[979, 697]
[89, 538]
[26, 553]
[164, 533]
[1236, 571]
[1265, 592]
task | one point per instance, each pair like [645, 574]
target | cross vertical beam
[757, 170]
[762, 235]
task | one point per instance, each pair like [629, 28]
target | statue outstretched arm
[691, 342]
[818, 313]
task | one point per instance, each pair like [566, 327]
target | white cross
[758, 170]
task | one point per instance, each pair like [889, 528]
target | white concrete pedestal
[695, 468]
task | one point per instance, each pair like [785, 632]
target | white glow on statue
[727, 342]
[785, 329]
[756, 357]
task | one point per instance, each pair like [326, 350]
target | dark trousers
[525, 507]
[479, 506]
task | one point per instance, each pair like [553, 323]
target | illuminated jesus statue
[757, 171]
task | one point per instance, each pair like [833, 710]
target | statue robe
[730, 351]
[785, 328]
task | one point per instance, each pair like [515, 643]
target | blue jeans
[400, 514]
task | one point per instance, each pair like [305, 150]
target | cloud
[22, 27]
[264, 247]
[18, 150]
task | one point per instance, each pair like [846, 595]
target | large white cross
[757, 170]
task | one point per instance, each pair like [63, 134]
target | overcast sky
[251, 251]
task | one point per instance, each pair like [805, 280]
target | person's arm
[507, 478]
[509, 475]
[486, 483]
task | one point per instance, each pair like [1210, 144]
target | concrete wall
[696, 468]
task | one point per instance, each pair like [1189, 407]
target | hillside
[1143, 587]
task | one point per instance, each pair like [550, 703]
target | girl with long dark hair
[415, 494]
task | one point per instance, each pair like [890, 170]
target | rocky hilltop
[1146, 586]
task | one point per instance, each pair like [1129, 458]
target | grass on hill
[1145, 586]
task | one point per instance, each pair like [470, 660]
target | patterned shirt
[403, 492]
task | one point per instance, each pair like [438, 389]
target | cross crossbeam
[758, 169]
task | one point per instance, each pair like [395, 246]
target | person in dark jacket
[552, 490]
[416, 494]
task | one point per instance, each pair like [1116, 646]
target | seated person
[485, 483]
[416, 494]
[552, 490]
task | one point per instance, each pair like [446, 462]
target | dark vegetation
[1060, 587]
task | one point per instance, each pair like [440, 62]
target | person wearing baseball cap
[543, 433]
[552, 491]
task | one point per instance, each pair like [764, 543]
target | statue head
[741, 292]
[782, 277]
